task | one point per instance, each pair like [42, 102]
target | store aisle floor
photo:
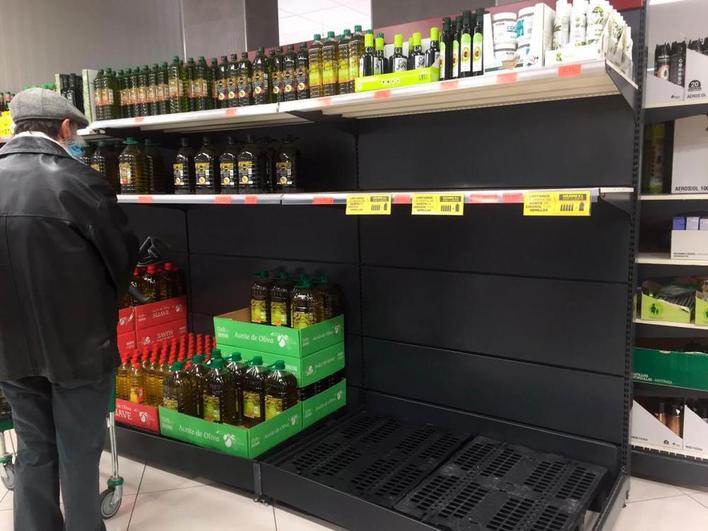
[155, 500]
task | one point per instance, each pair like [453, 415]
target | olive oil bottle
[250, 167]
[131, 168]
[227, 167]
[478, 44]
[399, 62]
[302, 82]
[367, 61]
[190, 84]
[356, 50]
[289, 81]
[178, 391]
[202, 88]
[243, 81]
[176, 79]
[183, 169]
[163, 89]
[465, 57]
[261, 78]
[276, 75]
[280, 390]
[232, 82]
[124, 83]
[330, 68]
[222, 80]
[205, 169]
[446, 50]
[155, 168]
[254, 392]
[134, 88]
[217, 405]
[198, 373]
[280, 300]
[261, 298]
[286, 167]
[303, 308]
[432, 54]
[343, 63]
[152, 95]
[237, 373]
[456, 48]
[123, 379]
[137, 384]
[314, 54]
[380, 63]
[143, 82]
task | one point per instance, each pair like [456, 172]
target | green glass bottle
[260, 79]
[302, 82]
[289, 81]
[243, 81]
[143, 77]
[222, 78]
[202, 86]
[134, 89]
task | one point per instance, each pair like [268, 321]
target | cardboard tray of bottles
[252, 442]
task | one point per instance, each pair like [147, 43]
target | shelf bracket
[626, 89]
[623, 201]
[122, 132]
[328, 120]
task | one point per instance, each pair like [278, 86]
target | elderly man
[66, 255]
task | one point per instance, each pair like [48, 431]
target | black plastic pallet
[492, 485]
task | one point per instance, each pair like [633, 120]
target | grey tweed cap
[43, 104]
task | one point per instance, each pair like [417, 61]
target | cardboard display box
[324, 403]
[687, 370]
[137, 416]
[233, 440]
[648, 431]
[689, 244]
[236, 329]
[653, 309]
[162, 332]
[689, 173]
[127, 342]
[158, 313]
[307, 370]
[126, 320]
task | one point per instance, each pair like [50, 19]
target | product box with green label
[324, 403]
[701, 311]
[653, 309]
[236, 329]
[673, 368]
[397, 79]
[307, 370]
[233, 440]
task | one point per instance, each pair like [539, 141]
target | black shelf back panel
[508, 324]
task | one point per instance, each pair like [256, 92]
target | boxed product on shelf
[655, 309]
[673, 368]
[306, 369]
[127, 341]
[139, 416]
[690, 155]
[323, 404]
[161, 312]
[690, 244]
[236, 329]
[651, 430]
[234, 440]
[126, 320]
[161, 332]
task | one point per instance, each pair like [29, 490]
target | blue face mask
[74, 149]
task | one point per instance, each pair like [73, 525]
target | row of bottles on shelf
[209, 386]
[277, 300]
[260, 166]
[157, 282]
[5, 98]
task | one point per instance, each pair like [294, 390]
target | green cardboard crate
[324, 403]
[233, 440]
[397, 79]
[307, 370]
[654, 309]
[676, 369]
[237, 330]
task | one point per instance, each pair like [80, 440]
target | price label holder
[369, 205]
[438, 204]
[558, 203]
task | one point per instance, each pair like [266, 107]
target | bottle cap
[216, 353]
[330, 35]
[357, 28]
[369, 40]
[323, 279]
[217, 363]
[416, 37]
[281, 275]
[279, 365]
[257, 360]
[434, 33]
[177, 366]
[175, 58]
[235, 356]
[316, 37]
[379, 43]
[130, 141]
[197, 358]
[398, 40]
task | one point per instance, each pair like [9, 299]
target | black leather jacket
[66, 254]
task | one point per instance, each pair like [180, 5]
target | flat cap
[43, 104]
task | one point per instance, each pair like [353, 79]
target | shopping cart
[7, 459]
[112, 497]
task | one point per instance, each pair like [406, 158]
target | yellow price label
[561, 203]
[369, 205]
[438, 204]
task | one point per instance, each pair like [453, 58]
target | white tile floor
[157, 500]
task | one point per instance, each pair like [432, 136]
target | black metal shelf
[669, 113]
[658, 390]
[668, 467]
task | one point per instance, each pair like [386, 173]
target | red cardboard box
[126, 342]
[163, 332]
[126, 320]
[137, 415]
[157, 313]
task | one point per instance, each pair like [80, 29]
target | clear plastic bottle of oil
[280, 300]
[280, 390]
[254, 392]
[260, 298]
[314, 56]
[151, 284]
[198, 373]
[137, 384]
[217, 405]
[178, 391]
[237, 372]
[123, 379]
[303, 305]
[131, 169]
[330, 66]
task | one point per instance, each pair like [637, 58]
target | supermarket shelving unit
[517, 328]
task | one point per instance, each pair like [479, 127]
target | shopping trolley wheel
[110, 502]
[8, 475]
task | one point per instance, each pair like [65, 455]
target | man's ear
[65, 130]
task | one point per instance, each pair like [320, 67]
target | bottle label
[259, 311]
[108, 100]
[378, 65]
[203, 88]
[175, 88]
[212, 408]
[125, 173]
[443, 48]
[178, 173]
[202, 171]
[273, 407]
[288, 88]
[137, 394]
[96, 167]
[251, 405]
[170, 403]
[123, 97]
[455, 58]
[151, 94]
[245, 172]
[315, 77]
[284, 173]
[193, 88]
[302, 83]
[419, 61]
[227, 174]
[232, 88]
[244, 90]
[133, 95]
[279, 313]
[142, 95]
[400, 64]
[221, 91]
[302, 319]
[477, 46]
[466, 53]
[164, 92]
